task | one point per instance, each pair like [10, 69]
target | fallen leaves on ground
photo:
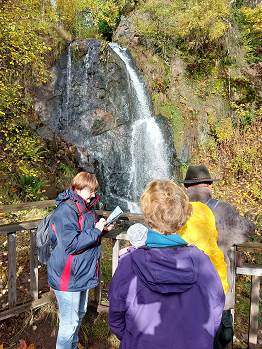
[23, 345]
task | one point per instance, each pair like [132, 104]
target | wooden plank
[134, 217]
[103, 308]
[122, 236]
[45, 299]
[51, 203]
[33, 266]
[18, 227]
[24, 226]
[26, 206]
[116, 236]
[21, 226]
[11, 238]
[254, 311]
[250, 269]
[116, 247]
[254, 246]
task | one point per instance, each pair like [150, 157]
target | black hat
[198, 174]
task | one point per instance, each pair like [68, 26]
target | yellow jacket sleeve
[200, 230]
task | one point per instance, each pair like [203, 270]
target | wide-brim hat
[198, 174]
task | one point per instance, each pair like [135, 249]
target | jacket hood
[166, 270]
[197, 193]
[70, 194]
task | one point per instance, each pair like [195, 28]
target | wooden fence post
[116, 246]
[33, 266]
[11, 237]
[255, 271]
[98, 289]
[254, 311]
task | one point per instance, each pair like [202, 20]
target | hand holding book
[114, 216]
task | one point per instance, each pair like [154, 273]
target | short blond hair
[83, 180]
[165, 205]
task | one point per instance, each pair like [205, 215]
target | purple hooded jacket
[165, 298]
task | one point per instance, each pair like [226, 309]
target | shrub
[88, 18]
[250, 24]
[31, 188]
[194, 27]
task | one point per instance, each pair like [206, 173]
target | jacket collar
[199, 193]
[155, 239]
[85, 205]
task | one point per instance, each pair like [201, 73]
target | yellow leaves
[254, 17]
[217, 30]
[239, 164]
[223, 129]
[23, 38]
[201, 19]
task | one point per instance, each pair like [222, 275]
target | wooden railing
[255, 271]
[11, 231]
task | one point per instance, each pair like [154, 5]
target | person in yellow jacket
[200, 230]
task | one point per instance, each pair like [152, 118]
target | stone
[90, 104]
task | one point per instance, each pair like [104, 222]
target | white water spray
[149, 159]
[68, 82]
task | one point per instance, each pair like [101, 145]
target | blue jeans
[72, 309]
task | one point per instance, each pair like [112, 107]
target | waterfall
[103, 108]
[68, 83]
[149, 153]
[53, 3]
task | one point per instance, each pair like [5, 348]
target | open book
[114, 215]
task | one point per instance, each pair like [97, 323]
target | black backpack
[43, 243]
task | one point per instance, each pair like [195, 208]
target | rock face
[90, 104]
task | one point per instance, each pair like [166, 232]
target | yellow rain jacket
[200, 230]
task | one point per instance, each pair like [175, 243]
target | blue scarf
[155, 239]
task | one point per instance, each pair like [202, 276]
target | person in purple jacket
[166, 294]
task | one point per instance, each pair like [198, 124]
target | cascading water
[53, 3]
[68, 83]
[149, 154]
[102, 107]
[64, 112]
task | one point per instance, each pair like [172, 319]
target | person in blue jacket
[73, 267]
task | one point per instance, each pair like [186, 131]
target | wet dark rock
[89, 103]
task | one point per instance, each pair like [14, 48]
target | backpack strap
[212, 203]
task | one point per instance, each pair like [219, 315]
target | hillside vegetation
[29, 44]
[202, 62]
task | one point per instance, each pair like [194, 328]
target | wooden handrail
[32, 224]
[254, 246]
[51, 203]
[26, 206]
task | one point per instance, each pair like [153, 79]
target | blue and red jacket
[74, 261]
